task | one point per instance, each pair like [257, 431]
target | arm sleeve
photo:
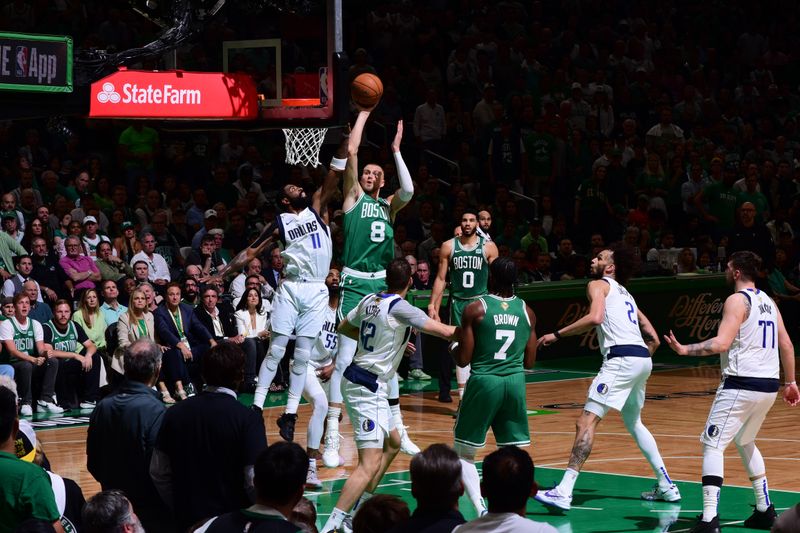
[408, 315]
[406, 184]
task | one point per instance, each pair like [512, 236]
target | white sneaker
[658, 494]
[312, 480]
[26, 410]
[330, 456]
[553, 498]
[88, 405]
[50, 407]
[406, 444]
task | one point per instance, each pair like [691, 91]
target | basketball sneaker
[418, 374]
[286, 424]
[762, 519]
[312, 480]
[553, 498]
[331, 457]
[88, 405]
[407, 446]
[50, 407]
[25, 410]
[658, 494]
[706, 527]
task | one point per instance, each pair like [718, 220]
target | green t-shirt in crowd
[25, 492]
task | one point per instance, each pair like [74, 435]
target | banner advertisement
[35, 63]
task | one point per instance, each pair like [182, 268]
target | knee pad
[301, 357]
[275, 356]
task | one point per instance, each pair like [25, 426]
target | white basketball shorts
[369, 413]
[299, 307]
[736, 414]
[621, 380]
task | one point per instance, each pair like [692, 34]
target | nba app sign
[174, 94]
[35, 63]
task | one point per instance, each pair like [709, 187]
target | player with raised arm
[299, 303]
[368, 248]
[498, 338]
[320, 367]
[467, 258]
[752, 342]
[381, 325]
[627, 342]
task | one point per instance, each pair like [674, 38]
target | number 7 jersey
[501, 337]
[368, 235]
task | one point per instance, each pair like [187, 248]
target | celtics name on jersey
[469, 270]
[368, 235]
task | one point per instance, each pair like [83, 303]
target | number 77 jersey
[501, 336]
[754, 350]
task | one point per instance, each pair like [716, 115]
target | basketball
[366, 90]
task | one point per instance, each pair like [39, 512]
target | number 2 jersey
[501, 336]
[308, 247]
[754, 351]
[620, 326]
[326, 345]
[368, 235]
[384, 325]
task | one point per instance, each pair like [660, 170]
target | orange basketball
[366, 90]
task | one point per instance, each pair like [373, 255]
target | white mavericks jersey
[620, 324]
[308, 247]
[384, 325]
[326, 345]
[754, 350]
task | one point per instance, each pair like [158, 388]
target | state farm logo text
[700, 314]
[132, 93]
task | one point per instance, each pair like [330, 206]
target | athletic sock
[397, 416]
[568, 482]
[334, 521]
[472, 485]
[761, 490]
[664, 480]
[710, 502]
[333, 418]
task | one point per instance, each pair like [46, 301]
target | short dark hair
[223, 365]
[380, 513]
[507, 479]
[746, 262]
[436, 477]
[397, 274]
[469, 210]
[207, 237]
[106, 511]
[8, 412]
[17, 258]
[280, 473]
[503, 274]
[141, 360]
[624, 262]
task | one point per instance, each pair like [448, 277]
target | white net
[303, 144]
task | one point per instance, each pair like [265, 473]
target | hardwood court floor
[679, 398]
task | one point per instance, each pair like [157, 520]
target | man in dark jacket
[123, 431]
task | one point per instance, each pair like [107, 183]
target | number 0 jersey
[620, 326]
[501, 336]
[754, 351]
[384, 324]
[326, 345]
[469, 270]
[368, 235]
[309, 249]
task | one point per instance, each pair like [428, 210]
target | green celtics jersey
[501, 336]
[469, 270]
[66, 341]
[24, 340]
[368, 235]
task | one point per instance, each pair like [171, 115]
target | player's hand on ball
[547, 340]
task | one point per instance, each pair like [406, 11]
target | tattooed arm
[736, 310]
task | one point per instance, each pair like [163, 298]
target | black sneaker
[256, 408]
[286, 424]
[706, 527]
[444, 397]
[762, 519]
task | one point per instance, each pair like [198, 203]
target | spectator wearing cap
[25, 488]
[8, 202]
[157, 268]
[23, 264]
[210, 221]
[128, 245]
[11, 225]
[80, 268]
[91, 239]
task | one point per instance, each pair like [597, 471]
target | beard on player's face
[597, 270]
[299, 202]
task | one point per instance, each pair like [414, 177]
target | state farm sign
[174, 94]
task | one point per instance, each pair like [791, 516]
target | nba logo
[22, 61]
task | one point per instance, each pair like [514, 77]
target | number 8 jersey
[620, 326]
[368, 217]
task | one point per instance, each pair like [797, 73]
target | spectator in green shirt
[25, 490]
[721, 199]
[754, 196]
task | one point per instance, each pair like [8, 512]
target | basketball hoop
[303, 145]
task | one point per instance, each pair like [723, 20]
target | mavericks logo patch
[602, 388]
[713, 431]
[367, 425]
